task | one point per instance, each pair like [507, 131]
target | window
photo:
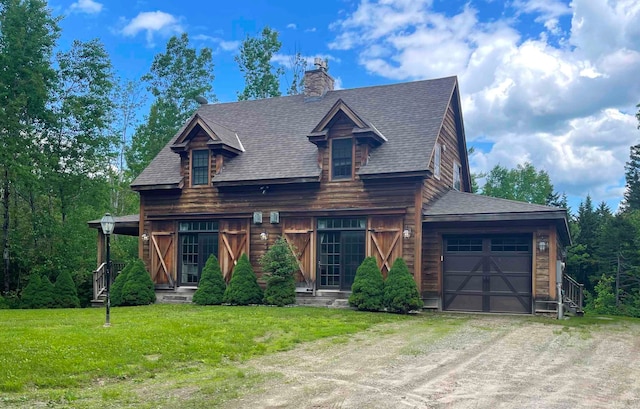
[457, 176]
[341, 158]
[436, 160]
[200, 167]
[198, 240]
[341, 249]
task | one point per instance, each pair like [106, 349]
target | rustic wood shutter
[385, 240]
[234, 240]
[162, 254]
[298, 232]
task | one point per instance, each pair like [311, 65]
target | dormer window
[341, 158]
[200, 167]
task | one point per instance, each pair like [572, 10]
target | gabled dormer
[203, 146]
[344, 138]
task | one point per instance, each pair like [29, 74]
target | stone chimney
[317, 82]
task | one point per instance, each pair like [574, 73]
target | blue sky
[551, 82]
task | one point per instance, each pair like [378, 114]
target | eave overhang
[557, 217]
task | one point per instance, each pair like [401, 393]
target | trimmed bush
[138, 288]
[66, 295]
[279, 264]
[39, 293]
[3, 303]
[368, 287]
[116, 288]
[243, 288]
[280, 291]
[400, 290]
[211, 286]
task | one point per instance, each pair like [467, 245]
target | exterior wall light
[542, 245]
[264, 236]
[406, 233]
[145, 236]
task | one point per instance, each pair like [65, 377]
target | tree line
[71, 140]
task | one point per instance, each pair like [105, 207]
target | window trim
[192, 170]
[331, 168]
[437, 161]
[457, 171]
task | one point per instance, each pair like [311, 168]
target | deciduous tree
[524, 183]
[261, 78]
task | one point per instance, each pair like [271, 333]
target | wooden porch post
[100, 254]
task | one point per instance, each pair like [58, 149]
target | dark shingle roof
[456, 206]
[274, 132]
[462, 203]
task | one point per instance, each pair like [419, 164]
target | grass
[63, 357]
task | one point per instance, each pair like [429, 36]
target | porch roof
[125, 225]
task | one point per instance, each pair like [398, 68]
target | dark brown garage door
[487, 274]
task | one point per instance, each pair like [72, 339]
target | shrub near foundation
[38, 293]
[279, 264]
[368, 287]
[138, 288]
[118, 284]
[400, 290]
[211, 286]
[243, 288]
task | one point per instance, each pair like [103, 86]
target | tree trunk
[5, 231]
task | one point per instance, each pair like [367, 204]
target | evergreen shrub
[3, 303]
[211, 286]
[116, 288]
[368, 287]
[243, 288]
[400, 291]
[39, 293]
[279, 264]
[66, 295]
[138, 289]
[604, 300]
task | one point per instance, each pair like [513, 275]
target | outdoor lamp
[108, 224]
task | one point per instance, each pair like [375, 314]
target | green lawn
[67, 357]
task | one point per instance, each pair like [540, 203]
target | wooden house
[342, 174]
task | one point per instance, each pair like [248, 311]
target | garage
[488, 273]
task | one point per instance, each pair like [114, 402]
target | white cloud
[565, 105]
[310, 30]
[152, 22]
[86, 6]
[221, 43]
[286, 60]
[292, 26]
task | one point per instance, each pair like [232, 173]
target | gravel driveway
[451, 361]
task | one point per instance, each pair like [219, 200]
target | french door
[341, 250]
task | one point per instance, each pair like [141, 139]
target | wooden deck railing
[100, 277]
[573, 292]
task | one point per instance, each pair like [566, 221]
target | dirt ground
[458, 362]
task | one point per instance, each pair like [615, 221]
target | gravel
[458, 361]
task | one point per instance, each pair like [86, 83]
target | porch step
[179, 296]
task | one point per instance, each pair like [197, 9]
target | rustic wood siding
[294, 202]
[448, 139]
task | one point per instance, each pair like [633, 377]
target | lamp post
[107, 223]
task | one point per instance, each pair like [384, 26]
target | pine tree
[631, 200]
[367, 290]
[279, 265]
[400, 291]
[211, 286]
[243, 288]
[66, 295]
